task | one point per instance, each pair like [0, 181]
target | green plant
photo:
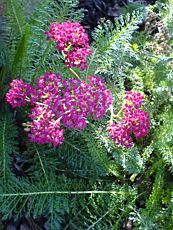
[88, 182]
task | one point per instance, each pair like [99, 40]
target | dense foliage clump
[87, 142]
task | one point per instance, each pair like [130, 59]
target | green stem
[59, 192]
[42, 166]
[114, 115]
[117, 115]
[74, 73]
[3, 147]
[70, 68]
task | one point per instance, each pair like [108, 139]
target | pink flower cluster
[18, 94]
[135, 98]
[134, 121]
[72, 41]
[57, 102]
[45, 127]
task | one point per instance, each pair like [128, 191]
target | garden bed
[88, 145]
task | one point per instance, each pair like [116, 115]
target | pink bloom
[140, 123]
[120, 133]
[135, 98]
[56, 101]
[67, 33]
[17, 95]
[134, 121]
[44, 127]
[77, 58]
[72, 41]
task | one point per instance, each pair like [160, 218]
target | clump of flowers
[17, 95]
[135, 98]
[57, 103]
[44, 126]
[72, 41]
[121, 134]
[60, 102]
[134, 121]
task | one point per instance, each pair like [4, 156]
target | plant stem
[70, 68]
[60, 192]
[74, 73]
[112, 114]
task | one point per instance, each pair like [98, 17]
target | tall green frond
[112, 46]
[164, 138]
[99, 154]
[62, 196]
[8, 142]
[16, 19]
[20, 56]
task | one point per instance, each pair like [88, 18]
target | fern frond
[61, 196]
[103, 210]
[15, 24]
[99, 154]
[153, 204]
[111, 42]
[16, 18]
[8, 142]
[43, 160]
[20, 56]
[155, 215]
[76, 160]
[131, 161]
[164, 138]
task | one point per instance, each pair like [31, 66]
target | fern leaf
[112, 46]
[8, 143]
[19, 61]
[164, 138]
[99, 155]
[16, 19]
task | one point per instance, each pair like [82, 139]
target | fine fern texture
[89, 182]
[9, 145]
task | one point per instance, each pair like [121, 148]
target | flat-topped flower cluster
[56, 103]
[133, 122]
[72, 41]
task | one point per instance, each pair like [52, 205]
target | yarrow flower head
[121, 134]
[44, 127]
[77, 58]
[134, 121]
[72, 40]
[135, 98]
[17, 95]
[60, 102]
[138, 122]
[67, 33]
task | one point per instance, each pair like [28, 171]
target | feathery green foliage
[113, 51]
[89, 182]
[8, 143]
